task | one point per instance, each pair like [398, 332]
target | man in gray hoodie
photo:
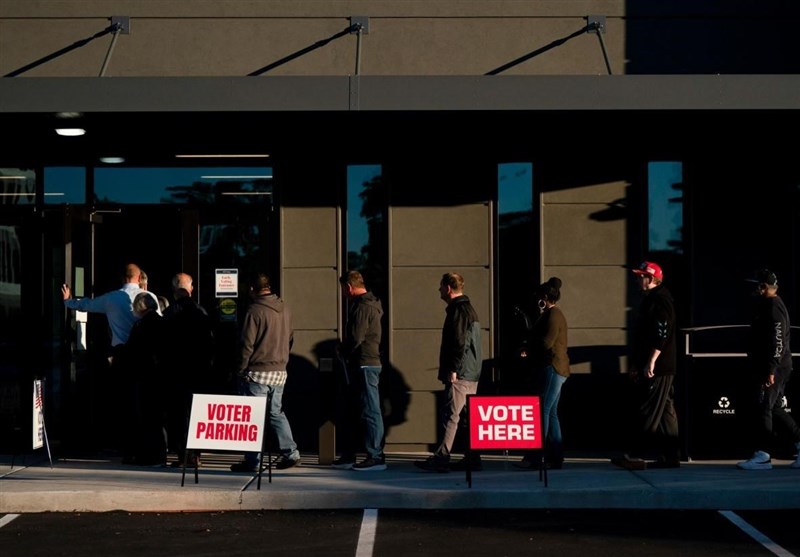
[266, 339]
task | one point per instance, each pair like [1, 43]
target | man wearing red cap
[653, 368]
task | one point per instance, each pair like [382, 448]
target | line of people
[145, 344]
[159, 358]
[654, 367]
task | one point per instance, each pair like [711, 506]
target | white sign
[38, 415]
[227, 283]
[227, 422]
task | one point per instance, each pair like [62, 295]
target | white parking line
[7, 518]
[755, 534]
[366, 537]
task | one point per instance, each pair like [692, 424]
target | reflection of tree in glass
[197, 193]
[222, 191]
[372, 259]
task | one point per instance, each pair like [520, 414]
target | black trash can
[716, 426]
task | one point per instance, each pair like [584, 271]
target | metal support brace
[360, 26]
[119, 24]
[597, 24]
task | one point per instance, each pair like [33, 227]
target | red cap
[651, 269]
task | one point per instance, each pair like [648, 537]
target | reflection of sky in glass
[357, 232]
[514, 188]
[64, 184]
[665, 211]
[151, 185]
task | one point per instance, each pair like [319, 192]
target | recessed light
[70, 132]
[112, 160]
[223, 156]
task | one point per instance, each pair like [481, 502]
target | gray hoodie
[267, 335]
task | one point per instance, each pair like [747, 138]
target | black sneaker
[244, 467]
[370, 464]
[285, 462]
[432, 464]
[344, 463]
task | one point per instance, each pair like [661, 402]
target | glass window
[366, 237]
[65, 185]
[17, 186]
[10, 297]
[190, 186]
[517, 259]
[665, 206]
[514, 193]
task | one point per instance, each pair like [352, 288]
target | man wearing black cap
[653, 368]
[770, 363]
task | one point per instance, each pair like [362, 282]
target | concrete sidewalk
[106, 485]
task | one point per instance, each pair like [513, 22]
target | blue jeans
[277, 420]
[367, 378]
[551, 427]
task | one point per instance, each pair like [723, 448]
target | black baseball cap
[764, 276]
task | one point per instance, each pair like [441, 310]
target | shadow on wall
[310, 396]
[594, 408]
[302, 402]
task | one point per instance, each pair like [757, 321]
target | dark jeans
[772, 416]
[658, 421]
[359, 412]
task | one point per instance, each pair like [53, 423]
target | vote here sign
[504, 422]
[226, 422]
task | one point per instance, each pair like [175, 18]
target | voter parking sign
[227, 422]
[504, 422]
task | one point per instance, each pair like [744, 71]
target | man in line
[460, 362]
[653, 369]
[189, 360]
[360, 349]
[770, 362]
[117, 305]
[266, 340]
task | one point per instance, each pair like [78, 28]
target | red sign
[504, 422]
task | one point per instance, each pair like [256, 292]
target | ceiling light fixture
[70, 132]
[112, 160]
[223, 156]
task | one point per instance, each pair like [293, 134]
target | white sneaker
[796, 463]
[759, 461]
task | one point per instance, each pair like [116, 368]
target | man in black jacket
[361, 352]
[460, 362]
[189, 361]
[770, 364]
[653, 369]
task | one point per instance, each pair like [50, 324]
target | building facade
[508, 141]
